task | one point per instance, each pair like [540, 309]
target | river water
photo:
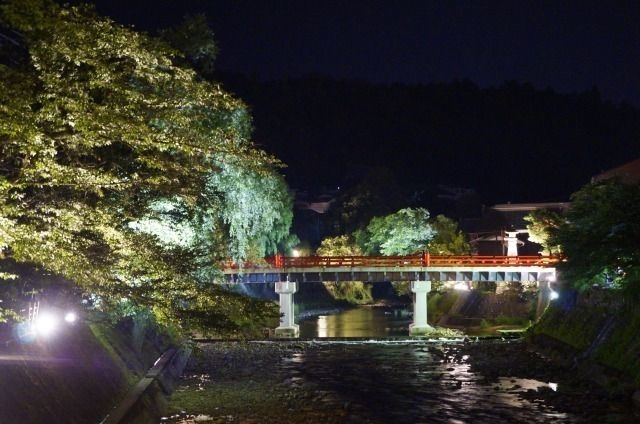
[404, 381]
[358, 322]
[384, 376]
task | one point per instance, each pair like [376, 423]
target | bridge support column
[420, 325]
[287, 327]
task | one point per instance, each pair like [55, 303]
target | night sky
[567, 46]
[537, 148]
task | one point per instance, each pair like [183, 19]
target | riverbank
[596, 334]
[363, 382]
[243, 382]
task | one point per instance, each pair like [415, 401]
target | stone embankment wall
[597, 334]
[471, 308]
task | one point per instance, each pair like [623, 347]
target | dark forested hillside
[511, 143]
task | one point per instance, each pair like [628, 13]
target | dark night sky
[567, 46]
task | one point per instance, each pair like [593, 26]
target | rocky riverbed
[391, 381]
[245, 382]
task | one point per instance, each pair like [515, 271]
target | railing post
[426, 258]
[279, 260]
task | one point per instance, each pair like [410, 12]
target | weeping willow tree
[125, 172]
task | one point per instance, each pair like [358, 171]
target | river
[364, 321]
[385, 377]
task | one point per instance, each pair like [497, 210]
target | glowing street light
[70, 317]
[45, 324]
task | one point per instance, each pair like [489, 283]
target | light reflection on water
[395, 378]
[409, 382]
[358, 322]
[440, 382]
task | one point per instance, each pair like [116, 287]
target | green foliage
[102, 131]
[195, 39]
[402, 288]
[338, 246]
[259, 208]
[8, 315]
[353, 292]
[484, 324]
[577, 327]
[504, 320]
[448, 239]
[486, 286]
[404, 232]
[440, 303]
[507, 320]
[602, 326]
[443, 332]
[540, 223]
[599, 236]
[621, 350]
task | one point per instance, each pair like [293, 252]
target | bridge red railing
[421, 260]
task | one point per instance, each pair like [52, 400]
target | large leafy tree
[540, 223]
[401, 233]
[102, 129]
[258, 209]
[599, 236]
[447, 239]
[339, 246]
[195, 39]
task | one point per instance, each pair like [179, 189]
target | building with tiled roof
[629, 173]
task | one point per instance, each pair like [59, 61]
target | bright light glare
[323, 326]
[461, 285]
[45, 324]
[295, 253]
[70, 317]
[553, 386]
[553, 295]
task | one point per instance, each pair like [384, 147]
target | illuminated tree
[404, 232]
[258, 209]
[447, 239]
[599, 236]
[103, 133]
[540, 223]
[339, 246]
[195, 39]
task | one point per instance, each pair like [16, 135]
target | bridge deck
[394, 268]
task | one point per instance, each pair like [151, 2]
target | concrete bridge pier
[287, 327]
[420, 326]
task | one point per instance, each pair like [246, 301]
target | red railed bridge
[393, 268]
[287, 272]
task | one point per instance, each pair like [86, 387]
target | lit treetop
[98, 125]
